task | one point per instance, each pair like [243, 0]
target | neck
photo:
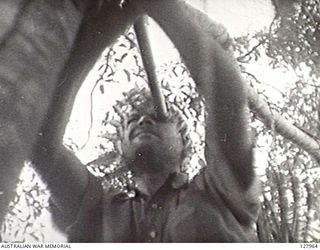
[152, 183]
[152, 174]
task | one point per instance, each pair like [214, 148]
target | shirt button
[153, 234]
[155, 206]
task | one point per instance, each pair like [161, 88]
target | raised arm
[64, 174]
[36, 39]
[205, 47]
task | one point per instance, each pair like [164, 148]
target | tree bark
[282, 126]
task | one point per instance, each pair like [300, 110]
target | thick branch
[283, 126]
[149, 65]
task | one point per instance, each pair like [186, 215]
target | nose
[146, 120]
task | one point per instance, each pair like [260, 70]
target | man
[220, 204]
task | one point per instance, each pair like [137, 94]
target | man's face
[158, 143]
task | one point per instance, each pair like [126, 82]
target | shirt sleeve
[218, 180]
[88, 223]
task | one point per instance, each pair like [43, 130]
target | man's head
[150, 144]
[172, 148]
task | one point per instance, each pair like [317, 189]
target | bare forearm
[205, 47]
[230, 115]
[64, 174]
[35, 42]
[99, 30]
[180, 23]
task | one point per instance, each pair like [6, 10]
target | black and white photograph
[159, 121]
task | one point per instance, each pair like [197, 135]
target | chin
[147, 151]
[146, 156]
[149, 154]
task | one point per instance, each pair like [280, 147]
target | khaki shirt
[209, 209]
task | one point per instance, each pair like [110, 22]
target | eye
[132, 119]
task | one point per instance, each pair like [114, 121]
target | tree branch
[240, 58]
[283, 126]
[149, 65]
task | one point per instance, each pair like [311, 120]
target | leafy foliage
[122, 63]
[296, 37]
[182, 100]
[290, 201]
[25, 225]
[290, 178]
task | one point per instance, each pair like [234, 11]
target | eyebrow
[141, 113]
[133, 114]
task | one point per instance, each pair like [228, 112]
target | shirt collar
[176, 180]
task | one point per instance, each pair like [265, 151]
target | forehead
[145, 108]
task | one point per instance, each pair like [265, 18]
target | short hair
[111, 167]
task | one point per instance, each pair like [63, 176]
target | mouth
[143, 133]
